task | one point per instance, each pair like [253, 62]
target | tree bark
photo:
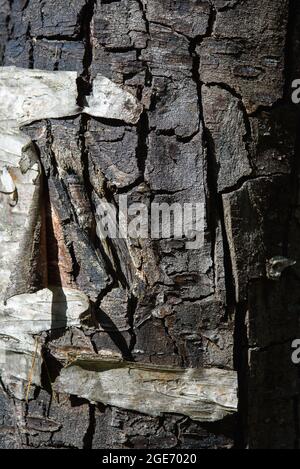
[218, 128]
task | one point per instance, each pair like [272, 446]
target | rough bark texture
[218, 128]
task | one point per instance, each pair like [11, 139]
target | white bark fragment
[7, 185]
[110, 101]
[17, 191]
[22, 320]
[201, 394]
[30, 95]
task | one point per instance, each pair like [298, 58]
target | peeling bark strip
[207, 86]
[20, 220]
[22, 321]
[203, 395]
[30, 95]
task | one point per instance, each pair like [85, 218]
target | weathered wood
[203, 395]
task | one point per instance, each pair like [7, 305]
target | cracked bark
[218, 128]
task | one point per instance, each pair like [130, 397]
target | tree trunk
[218, 128]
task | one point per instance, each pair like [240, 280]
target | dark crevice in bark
[142, 147]
[84, 120]
[119, 341]
[143, 9]
[187, 139]
[132, 305]
[119, 49]
[211, 22]
[49, 142]
[114, 268]
[111, 271]
[229, 279]
[56, 63]
[51, 369]
[213, 198]
[74, 216]
[115, 335]
[31, 49]
[89, 436]
[165, 132]
[58, 37]
[24, 4]
[93, 344]
[226, 87]
[84, 81]
[53, 274]
[87, 18]
[112, 122]
[75, 264]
